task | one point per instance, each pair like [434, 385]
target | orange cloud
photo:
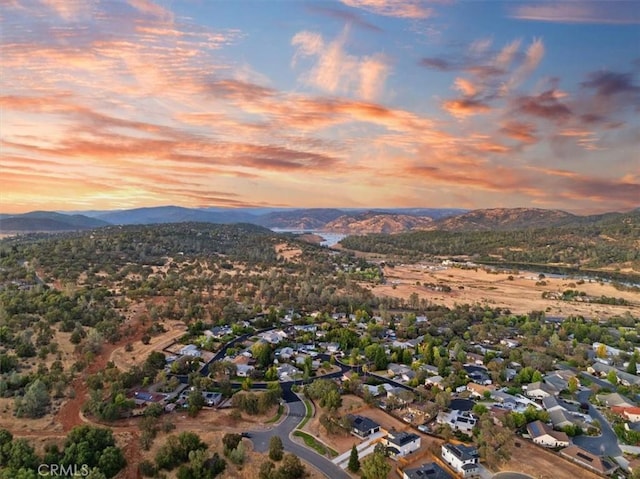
[465, 107]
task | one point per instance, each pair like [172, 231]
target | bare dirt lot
[520, 294]
[124, 359]
[543, 464]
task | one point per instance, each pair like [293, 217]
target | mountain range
[347, 221]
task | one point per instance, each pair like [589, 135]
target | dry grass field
[124, 359]
[543, 464]
[520, 295]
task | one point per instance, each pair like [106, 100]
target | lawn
[313, 443]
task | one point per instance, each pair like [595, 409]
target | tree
[632, 366]
[195, 402]
[573, 385]
[266, 470]
[354, 461]
[612, 377]
[35, 401]
[230, 442]
[375, 466]
[276, 450]
[601, 351]
[291, 468]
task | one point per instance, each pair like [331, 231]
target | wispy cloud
[335, 70]
[596, 12]
[414, 9]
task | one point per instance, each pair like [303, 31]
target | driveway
[295, 412]
[604, 445]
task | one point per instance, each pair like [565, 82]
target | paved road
[294, 414]
[607, 443]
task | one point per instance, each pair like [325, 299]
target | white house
[244, 370]
[400, 444]
[545, 436]
[540, 390]
[190, 350]
[463, 459]
[273, 337]
[362, 426]
[463, 421]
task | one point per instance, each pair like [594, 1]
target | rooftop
[402, 438]
[429, 470]
[462, 452]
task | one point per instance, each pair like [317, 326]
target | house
[141, 398]
[285, 353]
[408, 376]
[273, 337]
[333, 348]
[463, 459]
[400, 395]
[244, 370]
[211, 398]
[614, 399]
[507, 400]
[631, 414]
[434, 381]
[429, 470]
[540, 390]
[588, 460]
[560, 418]
[377, 390]
[480, 377]
[218, 332]
[545, 436]
[463, 421]
[475, 358]
[362, 426]
[478, 390]
[432, 370]
[190, 350]
[287, 372]
[510, 343]
[395, 369]
[400, 444]
[551, 403]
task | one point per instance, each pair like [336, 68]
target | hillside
[374, 222]
[503, 219]
[609, 243]
[47, 221]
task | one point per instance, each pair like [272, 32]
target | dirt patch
[543, 464]
[519, 294]
[288, 252]
[125, 360]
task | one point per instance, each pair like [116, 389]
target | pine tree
[354, 461]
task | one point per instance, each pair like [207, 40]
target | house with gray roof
[463, 459]
[429, 470]
[362, 426]
[545, 436]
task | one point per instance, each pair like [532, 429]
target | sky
[353, 103]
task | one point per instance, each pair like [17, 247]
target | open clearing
[124, 359]
[542, 464]
[520, 295]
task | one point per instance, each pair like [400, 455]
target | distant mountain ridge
[337, 220]
[48, 221]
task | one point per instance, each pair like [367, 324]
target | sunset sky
[358, 103]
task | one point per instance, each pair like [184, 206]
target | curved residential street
[607, 443]
[295, 412]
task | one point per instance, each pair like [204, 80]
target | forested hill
[111, 248]
[613, 241]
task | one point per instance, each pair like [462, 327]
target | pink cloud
[391, 8]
